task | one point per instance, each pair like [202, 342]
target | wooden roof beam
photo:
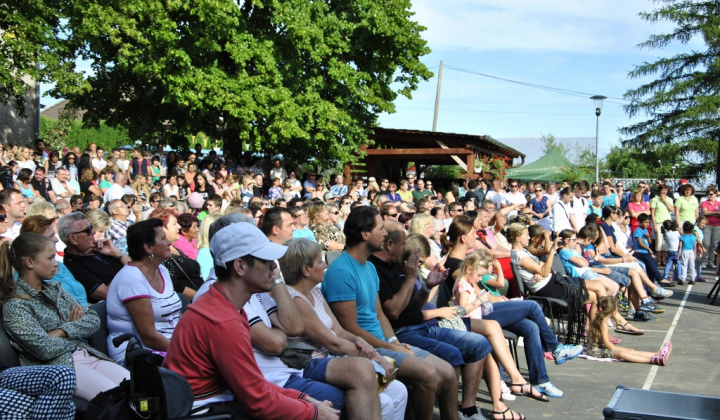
[427, 151]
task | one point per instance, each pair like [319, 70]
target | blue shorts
[400, 356]
[313, 383]
[454, 346]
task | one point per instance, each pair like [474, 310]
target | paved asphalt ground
[689, 322]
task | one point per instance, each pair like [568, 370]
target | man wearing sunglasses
[93, 263]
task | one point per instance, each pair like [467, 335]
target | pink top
[463, 286]
[638, 207]
[318, 305]
[706, 206]
[188, 248]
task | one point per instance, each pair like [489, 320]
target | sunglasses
[86, 231]
[393, 215]
[538, 190]
[3, 218]
[334, 212]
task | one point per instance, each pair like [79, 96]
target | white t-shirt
[561, 217]
[513, 198]
[527, 277]
[28, 164]
[57, 187]
[172, 190]
[99, 164]
[115, 192]
[672, 239]
[580, 210]
[258, 309]
[128, 284]
[123, 164]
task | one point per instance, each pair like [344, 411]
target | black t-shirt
[92, 270]
[188, 277]
[609, 231]
[85, 190]
[392, 277]
[42, 187]
[445, 291]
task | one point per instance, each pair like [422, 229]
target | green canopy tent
[548, 168]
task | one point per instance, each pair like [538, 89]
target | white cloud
[604, 27]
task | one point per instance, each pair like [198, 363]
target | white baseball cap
[241, 239]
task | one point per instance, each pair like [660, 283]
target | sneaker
[665, 351]
[661, 292]
[680, 283]
[623, 305]
[548, 355]
[549, 389]
[565, 352]
[691, 282]
[643, 317]
[647, 306]
[507, 395]
[476, 416]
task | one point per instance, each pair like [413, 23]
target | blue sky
[576, 45]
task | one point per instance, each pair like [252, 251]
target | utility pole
[437, 97]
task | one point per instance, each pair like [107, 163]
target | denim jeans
[526, 319]
[650, 266]
[672, 260]
[454, 346]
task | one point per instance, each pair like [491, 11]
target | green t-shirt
[419, 195]
[687, 209]
[492, 290]
[661, 211]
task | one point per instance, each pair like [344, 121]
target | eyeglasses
[86, 231]
[573, 239]
[3, 218]
[513, 186]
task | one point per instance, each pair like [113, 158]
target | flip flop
[622, 330]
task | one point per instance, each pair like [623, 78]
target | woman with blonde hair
[100, 221]
[204, 258]
[424, 224]
[326, 233]
[24, 159]
[141, 188]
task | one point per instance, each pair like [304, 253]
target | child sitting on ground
[601, 346]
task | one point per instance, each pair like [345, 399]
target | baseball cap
[684, 181]
[241, 239]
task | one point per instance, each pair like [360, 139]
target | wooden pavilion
[394, 148]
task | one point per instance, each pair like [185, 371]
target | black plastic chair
[552, 307]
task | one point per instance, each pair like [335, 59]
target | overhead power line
[532, 85]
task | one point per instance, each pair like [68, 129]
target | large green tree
[303, 78]
[31, 47]
[683, 103]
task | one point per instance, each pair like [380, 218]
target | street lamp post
[598, 100]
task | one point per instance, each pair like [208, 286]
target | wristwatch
[278, 281]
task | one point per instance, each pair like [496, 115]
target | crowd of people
[315, 299]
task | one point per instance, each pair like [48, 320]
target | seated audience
[45, 324]
[92, 262]
[141, 299]
[223, 373]
[184, 272]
